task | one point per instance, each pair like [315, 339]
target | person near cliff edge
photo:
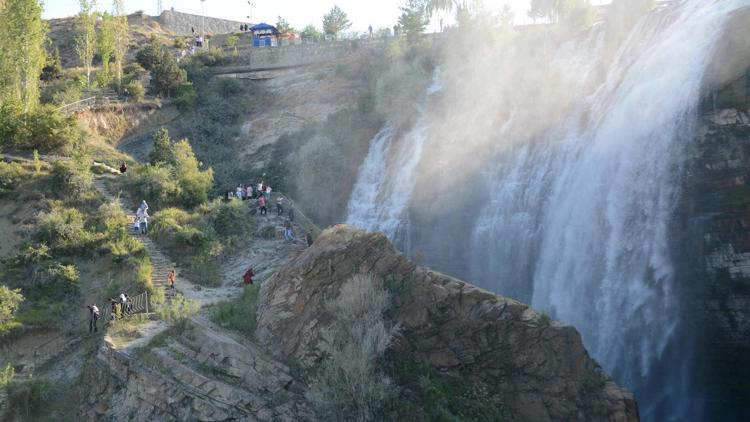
[279, 207]
[309, 239]
[93, 318]
[288, 233]
[248, 277]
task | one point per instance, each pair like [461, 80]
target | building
[265, 35]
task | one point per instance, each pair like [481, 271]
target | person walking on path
[262, 205]
[171, 278]
[249, 191]
[248, 277]
[291, 211]
[137, 224]
[144, 223]
[144, 206]
[279, 207]
[123, 167]
[93, 318]
[268, 193]
[288, 233]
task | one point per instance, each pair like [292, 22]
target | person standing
[123, 167]
[248, 277]
[144, 223]
[249, 191]
[268, 193]
[93, 318]
[309, 239]
[288, 233]
[279, 207]
[171, 278]
[239, 191]
[291, 211]
[136, 224]
[262, 204]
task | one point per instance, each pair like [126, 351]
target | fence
[78, 105]
[49, 350]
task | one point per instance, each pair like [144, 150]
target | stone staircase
[161, 264]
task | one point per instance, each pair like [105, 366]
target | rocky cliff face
[537, 368]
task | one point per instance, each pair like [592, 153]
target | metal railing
[78, 105]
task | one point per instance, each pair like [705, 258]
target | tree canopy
[335, 21]
[85, 39]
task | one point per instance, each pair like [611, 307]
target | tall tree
[121, 37]
[335, 21]
[22, 54]
[105, 43]
[413, 20]
[86, 35]
[283, 26]
[310, 32]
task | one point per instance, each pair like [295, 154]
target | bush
[185, 97]
[349, 385]
[10, 175]
[69, 179]
[61, 226]
[195, 183]
[156, 183]
[178, 308]
[9, 301]
[239, 314]
[151, 54]
[135, 90]
[45, 128]
[65, 278]
[27, 398]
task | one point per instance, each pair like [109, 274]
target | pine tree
[86, 35]
[22, 54]
[163, 150]
[121, 38]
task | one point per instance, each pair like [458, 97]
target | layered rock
[537, 368]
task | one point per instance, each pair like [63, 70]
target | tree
[413, 20]
[283, 26]
[195, 183]
[570, 12]
[433, 6]
[151, 54]
[105, 43]
[85, 39]
[120, 38]
[9, 301]
[22, 54]
[335, 21]
[310, 32]
[163, 150]
[167, 77]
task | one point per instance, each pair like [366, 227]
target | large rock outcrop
[537, 368]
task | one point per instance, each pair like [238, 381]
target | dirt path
[264, 255]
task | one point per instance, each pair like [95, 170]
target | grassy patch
[239, 314]
[124, 330]
[177, 309]
[441, 398]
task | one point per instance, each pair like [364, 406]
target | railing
[45, 352]
[78, 105]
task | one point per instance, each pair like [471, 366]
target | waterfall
[577, 219]
[386, 177]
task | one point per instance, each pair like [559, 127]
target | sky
[362, 13]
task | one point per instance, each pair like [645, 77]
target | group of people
[262, 193]
[251, 191]
[140, 223]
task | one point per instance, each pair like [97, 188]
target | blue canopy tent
[265, 35]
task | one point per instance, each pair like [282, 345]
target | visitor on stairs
[136, 224]
[144, 223]
[171, 278]
[248, 277]
[288, 234]
[93, 318]
[144, 206]
[279, 207]
[113, 304]
[262, 205]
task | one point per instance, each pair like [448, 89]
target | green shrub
[44, 128]
[9, 302]
[43, 313]
[155, 183]
[65, 277]
[69, 178]
[239, 314]
[185, 97]
[151, 54]
[6, 375]
[27, 398]
[11, 175]
[61, 226]
[135, 90]
[195, 183]
[178, 308]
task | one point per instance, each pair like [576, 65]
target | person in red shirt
[248, 277]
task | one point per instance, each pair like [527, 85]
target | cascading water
[386, 178]
[578, 222]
